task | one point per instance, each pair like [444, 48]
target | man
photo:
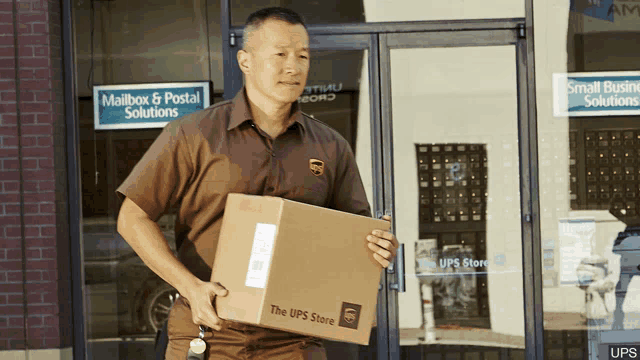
[258, 143]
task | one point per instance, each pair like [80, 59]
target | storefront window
[589, 178]
[134, 42]
[457, 196]
[334, 12]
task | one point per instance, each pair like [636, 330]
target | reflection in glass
[457, 199]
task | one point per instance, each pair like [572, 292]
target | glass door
[453, 125]
[340, 91]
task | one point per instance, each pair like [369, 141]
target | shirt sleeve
[349, 194]
[159, 180]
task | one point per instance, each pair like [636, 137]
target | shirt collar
[241, 111]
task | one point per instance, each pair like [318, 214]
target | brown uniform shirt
[200, 158]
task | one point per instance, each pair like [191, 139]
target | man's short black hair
[271, 13]
[275, 13]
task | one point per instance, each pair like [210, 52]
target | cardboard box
[297, 267]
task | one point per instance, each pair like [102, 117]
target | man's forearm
[148, 241]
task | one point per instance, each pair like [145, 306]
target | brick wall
[34, 240]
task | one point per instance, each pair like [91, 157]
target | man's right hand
[201, 298]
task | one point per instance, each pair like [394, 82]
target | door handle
[400, 285]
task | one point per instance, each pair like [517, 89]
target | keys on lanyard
[197, 346]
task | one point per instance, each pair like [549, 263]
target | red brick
[35, 320]
[51, 321]
[50, 297]
[39, 242]
[8, 108]
[40, 219]
[6, 29]
[42, 73]
[35, 175]
[33, 39]
[13, 276]
[11, 232]
[6, 6]
[47, 208]
[25, 51]
[7, 40]
[50, 343]
[38, 151]
[39, 107]
[49, 253]
[7, 74]
[15, 299]
[31, 209]
[45, 163]
[10, 175]
[8, 95]
[48, 230]
[26, 96]
[40, 28]
[45, 118]
[11, 187]
[11, 288]
[11, 209]
[26, 74]
[34, 275]
[30, 186]
[29, 164]
[41, 62]
[43, 332]
[16, 322]
[10, 220]
[10, 164]
[6, 17]
[29, 141]
[3, 301]
[42, 95]
[8, 120]
[11, 310]
[46, 197]
[42, 264]
[9, 62]
[33, 84]
[13, 254]
[31, 231]
[9, 198]
[8, 153]
[42, 309]
[47, 185]
[50, 275]
[45, 141]
[41, 50]
[32, 17]
[11, 265]
[7, 84]
[34, 253]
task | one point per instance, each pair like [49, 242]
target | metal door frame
[467, 34]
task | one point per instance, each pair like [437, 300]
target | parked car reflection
[124, 297]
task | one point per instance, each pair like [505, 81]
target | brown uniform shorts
[238, 341]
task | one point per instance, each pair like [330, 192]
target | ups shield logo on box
[350, 315]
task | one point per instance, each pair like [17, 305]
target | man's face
[276, 63]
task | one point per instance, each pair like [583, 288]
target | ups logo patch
[316, 166]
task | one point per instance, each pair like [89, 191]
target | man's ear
[244, 61]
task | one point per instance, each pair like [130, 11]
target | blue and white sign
[598, 9]
[596, 94]
[141, 106]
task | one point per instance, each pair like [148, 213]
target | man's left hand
[383, 244]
